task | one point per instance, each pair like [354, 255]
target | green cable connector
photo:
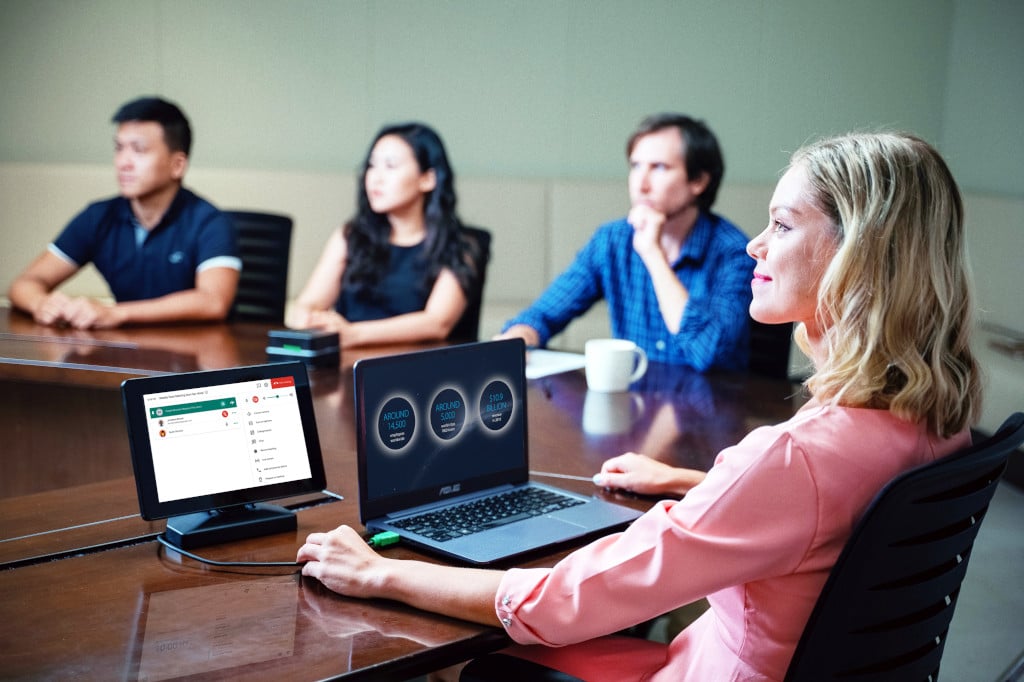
[384, 539]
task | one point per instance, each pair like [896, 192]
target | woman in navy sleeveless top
[400, 270]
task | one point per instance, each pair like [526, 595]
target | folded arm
[445, 306]
[672, 294]
[33, 290]
[210, 300]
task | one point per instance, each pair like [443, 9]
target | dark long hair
[368, 233]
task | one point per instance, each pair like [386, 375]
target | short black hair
[177, 132]
[701, 153]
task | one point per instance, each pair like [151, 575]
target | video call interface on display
[456, 419]
[198, 443]
[248, 434]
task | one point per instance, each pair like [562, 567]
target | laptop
[441, 434]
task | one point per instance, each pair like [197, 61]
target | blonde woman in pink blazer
[864, 249]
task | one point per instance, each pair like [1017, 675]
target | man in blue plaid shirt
[675, 275]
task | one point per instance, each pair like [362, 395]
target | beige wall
[518, 88]
[533, 97]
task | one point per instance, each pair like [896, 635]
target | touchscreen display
[222, 438]
[228, 437]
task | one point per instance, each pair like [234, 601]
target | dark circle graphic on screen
[396, 423]
[496, 405]
[448, 414]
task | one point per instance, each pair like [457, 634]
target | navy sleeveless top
[403, 289]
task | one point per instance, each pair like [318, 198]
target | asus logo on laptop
[449, 489]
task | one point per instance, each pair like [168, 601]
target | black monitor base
[225, 525]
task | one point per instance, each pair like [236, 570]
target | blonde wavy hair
[896, 299]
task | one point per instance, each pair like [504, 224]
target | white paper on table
[541, 362]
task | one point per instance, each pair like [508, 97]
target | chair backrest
[886, 607]
[264, 244]
[479, 247]
[769, 348]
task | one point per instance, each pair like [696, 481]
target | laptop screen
[435, 423]
[219, 438]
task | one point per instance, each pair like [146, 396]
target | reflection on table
[114, 614]
[92, 594]
[34, 352]
[672, 414]
[193, 630]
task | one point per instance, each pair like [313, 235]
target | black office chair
[479, 248]
[769, 349]
[885, 610]
[264, 244]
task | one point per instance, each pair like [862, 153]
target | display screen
[438, 422]
[205, 440]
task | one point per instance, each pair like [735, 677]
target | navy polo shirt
[191, 236]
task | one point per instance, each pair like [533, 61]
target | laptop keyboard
[478, 515]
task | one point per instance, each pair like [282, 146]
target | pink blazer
[757, 537]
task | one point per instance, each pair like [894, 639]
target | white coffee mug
[613, 364]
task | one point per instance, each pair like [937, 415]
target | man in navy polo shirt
[165, 253]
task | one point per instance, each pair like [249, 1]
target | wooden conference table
[87, 592]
